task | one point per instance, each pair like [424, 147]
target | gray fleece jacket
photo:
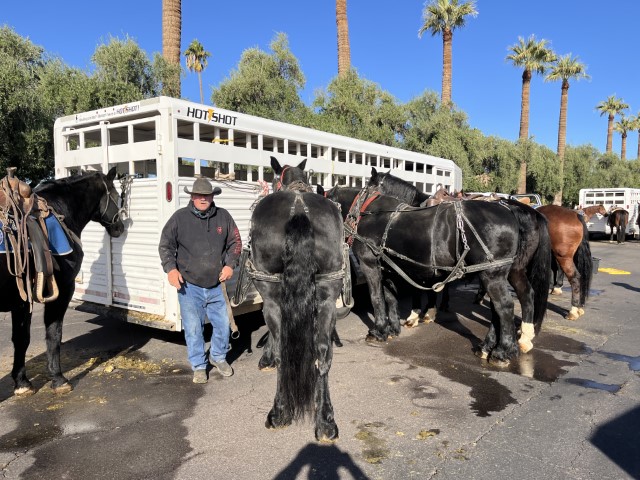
[200, 247]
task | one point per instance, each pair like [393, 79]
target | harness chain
[457, 271]
[246, 264]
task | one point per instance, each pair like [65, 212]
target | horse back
[431, 235]
[269, 223]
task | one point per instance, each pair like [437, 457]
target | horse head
[601, 210]
[287, 174]
[109, 213]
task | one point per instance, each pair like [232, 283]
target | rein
[248, 270]
[385, 253]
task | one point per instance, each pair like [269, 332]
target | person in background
[199, 247]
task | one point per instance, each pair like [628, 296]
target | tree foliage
[355, 107]
[35, 89]
[265, 85]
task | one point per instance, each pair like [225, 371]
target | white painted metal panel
[157, 133]
[137, 276]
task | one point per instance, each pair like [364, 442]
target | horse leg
[271, 312]
[53, 318]
[326, 429]
[279, 416]
[444, 302]
[611, 237]
[391, 298]
[416, 309]
[570, 270]
[524, 292]
[21, 337]
[502, 321]
[558, 277]
[373, 276]
[482, 291]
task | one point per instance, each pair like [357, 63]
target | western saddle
[22, 215]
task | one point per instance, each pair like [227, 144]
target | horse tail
[297, 370]
[533, 230]
[538, 272]
[584, 262]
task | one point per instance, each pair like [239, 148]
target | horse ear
[276, 165]
[320, 190]
[112, 174]
[302, 164]
[374, 172]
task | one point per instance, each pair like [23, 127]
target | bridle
[119, 210]
[279, 184]
[296, 185]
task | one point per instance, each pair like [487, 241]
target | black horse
[396, 187]
[504, 243]
[297, 256]
[79, 199]
[618, 219]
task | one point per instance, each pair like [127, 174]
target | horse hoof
[411, 324]
[374, 341]
[572, 316]
[427, 319]
[498, 362]
[64, 388]
[580, 312]
[327, 433]
[266, 368]
[481, 354]
[24, 391]
[556, 291]
[525, 346]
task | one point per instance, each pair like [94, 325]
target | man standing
[199, 247]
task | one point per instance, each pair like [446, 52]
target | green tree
[196, 60]
[612, 106]
[580, 170]
[624, 126]
[532, 56]
[265, 85]
[636, 126]
[442, 17]
[565, 69]
[123, 73]
[25, 120]
[358, 108]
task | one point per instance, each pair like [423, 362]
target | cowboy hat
[202, 186]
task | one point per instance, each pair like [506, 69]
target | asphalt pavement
[421, 406]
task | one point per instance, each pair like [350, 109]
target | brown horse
[570, 247]
[618, 219]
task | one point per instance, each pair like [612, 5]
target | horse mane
[65, 182]
[394, 187]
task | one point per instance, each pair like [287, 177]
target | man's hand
[175, 279]
[226, 273]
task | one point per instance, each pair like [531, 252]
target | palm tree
[624, 125]
[171, 37]
[344, 51]
[197, 61]
[637, 127]
[565, 69]
[534, 57]
[611, 106]
[443, 17]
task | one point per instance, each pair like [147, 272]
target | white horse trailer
[162, 143]
[627, 198]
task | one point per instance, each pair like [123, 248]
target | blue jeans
[196, 303]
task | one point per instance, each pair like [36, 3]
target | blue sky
[385, 49]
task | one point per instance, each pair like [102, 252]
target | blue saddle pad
[58, 241]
